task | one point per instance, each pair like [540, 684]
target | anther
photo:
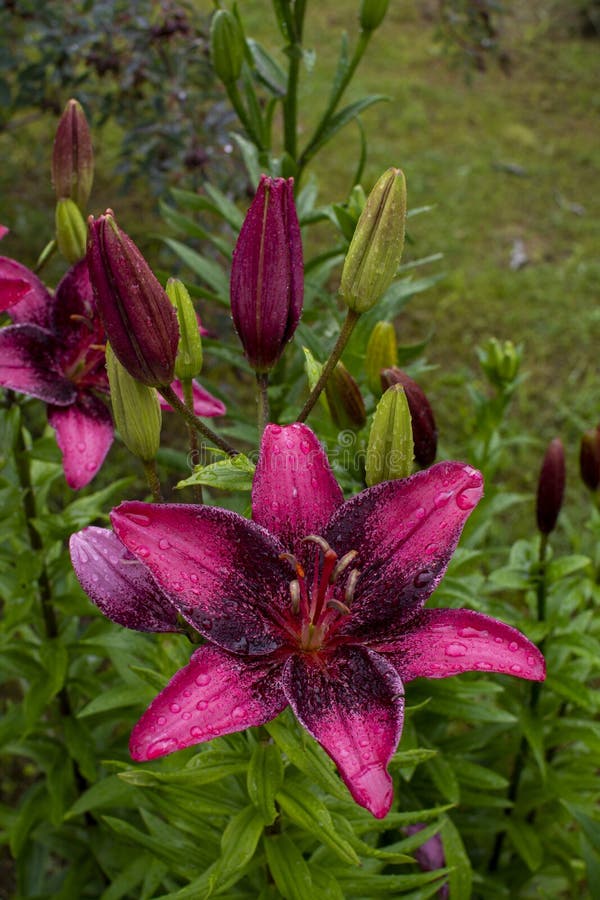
[321, 542]
[289, 557]
[342, 565]
[295, 595]
[100, 347]
[76, 317]
[337, 604]
[351, 586]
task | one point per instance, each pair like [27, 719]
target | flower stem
[344, 336]
[262, 380]
[152, 479]
[534, 698]
[173, 400]
[188, 396]
[290, 103]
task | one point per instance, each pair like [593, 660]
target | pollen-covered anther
[339, 606]
[295, 595]
[351, 586]
[342, 564]
[85, 320]
[320, 542]
[295, 564]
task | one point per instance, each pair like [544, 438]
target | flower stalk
[173, 400]
[350, 321]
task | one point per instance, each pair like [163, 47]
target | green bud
[376, 248]
[227, 46]
[382, 353]
[136, 410]
[188, 362]
[71, 230]
[500, 362]
[390, 449]
[346, 404]
[372, 13]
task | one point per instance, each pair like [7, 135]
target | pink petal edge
[215, 694]
[84, 433]
[444, 642]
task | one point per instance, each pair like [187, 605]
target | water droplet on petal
[516, 668]
[143, 552]
[81, 447]
[175, 707]
[468, 498]
[238, 712]
[441, 499]
[186, 716]
[161, 720]
[531, 660]
[83, 557]
[305, 447]
[201, 705]
[202, 679]
[164, 544]
[499, 640]
[196, 731]
[138, 518]
[513, 647]
[422, 578]
[420, 512]
[456, 649]
[159, 748]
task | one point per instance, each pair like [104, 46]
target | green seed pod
[188, 363]
[227, 46]
[376, 248]
[390, 449]
[372, 13]
[346, 404]
[71, 230]
[382, 353]
[136, 410]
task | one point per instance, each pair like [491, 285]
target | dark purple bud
[267, 276]
[551, 486]
[346, 404]
[423, 423]
[73, 157]
[589, 458]
[139, 319]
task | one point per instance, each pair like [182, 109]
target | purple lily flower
[316, 604]
[55, 352]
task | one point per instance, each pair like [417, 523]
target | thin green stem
[152, 478]
[173, 400]
[238, 104]
[534, 699]
[188, 396]
[262, 380]
[350, 321]
[290, 103]
[313, 143]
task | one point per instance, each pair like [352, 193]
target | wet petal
[74, 317]
[120, 586]
[84, 433]
[27, 297]
[443, 642]
[405, 533]
[223, 571]
[352, 703]
[205, 404]
[28, 364]
[215, 694]
[295, 492]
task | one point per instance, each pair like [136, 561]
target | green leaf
[236, 473]
[206, 767]
[238, 844]
[442, 775]
[106, 793]
[227, 209]
[116, 698]
[477, 776]
[457, 860]
[574, 691]
[80, 745]
[411, 758]
[526, 842]
[264, 779]
[301, 751]
[268, 70]
[211, 273]
[194, 230]
[306, 810]
[250, 157]
[344, 116]
[288, 868]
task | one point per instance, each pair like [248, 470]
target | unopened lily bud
[71, 233]
[372, 13]
[382, 353]
[188, 363]
[390, 450]
[138, 317]
[423, 423]
[589, 458]
[500, 362]
[346, 404]
[73, 157]
[551, 487]
[267, 274]
[136, 410]
[227, 46]
[376, 248]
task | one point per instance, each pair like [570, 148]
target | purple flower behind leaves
[316, 604]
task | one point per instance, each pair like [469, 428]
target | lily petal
[405, 533]
[28, 365]
[74, 318]
[223, 571]
[27, 297]
[443, 642]
[3, 231]
[294, 492]
[205, 404]
[352, 703]
[215, 694]
[120, 586]
[84, 433]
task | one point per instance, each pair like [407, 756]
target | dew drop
[81, 447]
[499, 640]
[363, 742]
[201, 705]
[95, 578]
[196, 731]
[419, 512]
[164, 544]
[83, 557]
[202, 679]
[305, 447]
[456, 649]
[238, 712]
[143, 552]
[516, 668]
[422, 578]
[139, 519]
[468, 498]
[531, 661]
[194, 577]
[161, 720]
[294, 492]
[89, 467]
[186, 716]
[159, 748]
[484, 665]
[441, 499]
[313, 482]
[187, 694]
[276, 429]
[175, 707]
[513, 647]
